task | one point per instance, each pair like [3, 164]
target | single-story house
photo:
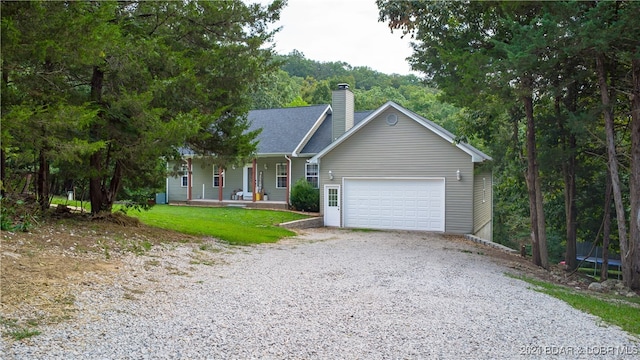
[389, 168]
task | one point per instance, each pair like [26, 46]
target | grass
[86, 205]
[235, 225]
[12, 329]
[616, 310]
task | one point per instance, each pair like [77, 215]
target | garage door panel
[409, 204]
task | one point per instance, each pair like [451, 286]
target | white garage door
[404, 204]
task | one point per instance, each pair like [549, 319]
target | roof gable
[476, 155]
[322, 136]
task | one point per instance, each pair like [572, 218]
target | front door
[332, 205]
[247, 182]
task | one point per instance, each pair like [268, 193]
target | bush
[18, 213]
[137, 199]
[304, 197]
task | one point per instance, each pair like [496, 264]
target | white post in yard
[202, 191]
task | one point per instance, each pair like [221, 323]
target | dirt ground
[39, 268]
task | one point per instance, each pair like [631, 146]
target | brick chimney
[342, 104]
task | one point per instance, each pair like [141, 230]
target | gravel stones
[326, 294]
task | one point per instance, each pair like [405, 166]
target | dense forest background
[97, 95]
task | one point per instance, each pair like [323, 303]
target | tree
[549, 56]
[612, 43]
[40, 108]
[150, 76]
[467, 49]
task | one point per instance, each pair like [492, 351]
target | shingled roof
[284, 129]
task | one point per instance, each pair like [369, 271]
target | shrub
[18, 213]
[304, 197]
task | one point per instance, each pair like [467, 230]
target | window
[332, 197]
[312, 174]
[185, 175]
[281, 175]
[216, 176]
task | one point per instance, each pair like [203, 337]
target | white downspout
[166, 185]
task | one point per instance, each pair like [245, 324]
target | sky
[342, 30]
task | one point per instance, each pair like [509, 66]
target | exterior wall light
[330, 175]
[458, 175]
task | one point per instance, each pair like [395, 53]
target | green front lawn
[235, 225]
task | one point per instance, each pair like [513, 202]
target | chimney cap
[343, 86]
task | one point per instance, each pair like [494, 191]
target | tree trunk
[569, 146]
[95, 160]
[42, 182]
[633, 256]
[571, 212]
[606, 230]
[95, 183]
[613, 167]
[114, 187]
[538, 228]
[27, 183]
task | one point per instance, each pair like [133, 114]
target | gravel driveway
[327, 294]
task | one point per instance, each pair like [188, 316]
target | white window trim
[215, 176]
[278, 176]
[316, 176]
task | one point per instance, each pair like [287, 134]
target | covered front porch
[263, 183]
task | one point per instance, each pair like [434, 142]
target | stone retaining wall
[490, 243]
[314, 222]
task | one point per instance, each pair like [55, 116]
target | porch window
[216, 176]
[184, 182]
[281, 175]
[312, 174]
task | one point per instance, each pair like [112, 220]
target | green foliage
[479, 55]
[105, 89]
[236, 226]
[18, 214]
[298, 101]
[304, 197]
[138, 199]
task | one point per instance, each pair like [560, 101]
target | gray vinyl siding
[406, 149]
[483, 204]
[203, 179]
[298, 169]
[176, 191]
